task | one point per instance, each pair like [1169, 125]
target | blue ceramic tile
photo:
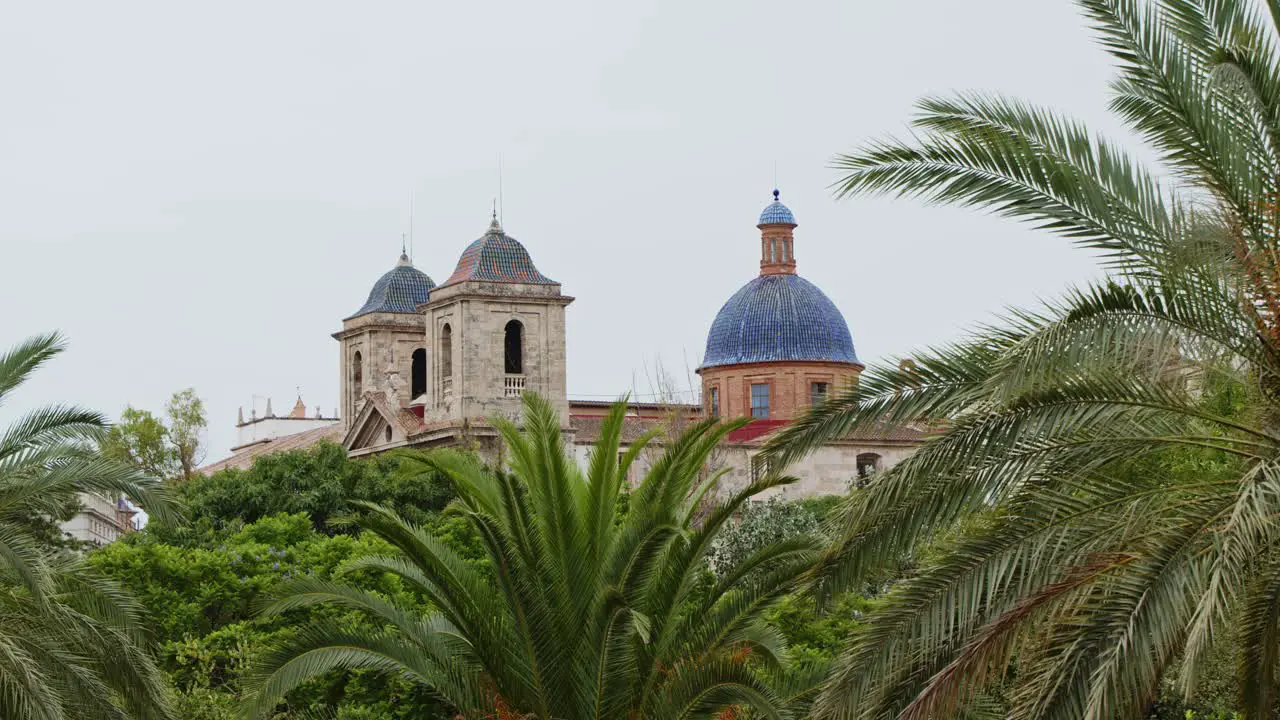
[399, 291]
[778, 317]
[775, 213]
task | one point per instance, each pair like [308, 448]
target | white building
[100, 520]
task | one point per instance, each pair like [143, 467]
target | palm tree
[72, 644]
[1069, 544]
[587, 612]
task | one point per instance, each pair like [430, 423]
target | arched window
[446, 351]
[357, 376]
[419, 374]
[513, 348]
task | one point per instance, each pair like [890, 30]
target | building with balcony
[101, 520]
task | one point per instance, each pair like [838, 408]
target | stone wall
[386, 342]
[477, 315]
[829, 470]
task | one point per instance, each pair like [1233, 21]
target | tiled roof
[401, 290]
[778, 317]
[410, 424]
[588, 431]
[405, 419]
[588, 427]
[754, 430]
[776, 213]
[244, 458]
[497, 257]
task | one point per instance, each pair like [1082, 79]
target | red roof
[754, 430]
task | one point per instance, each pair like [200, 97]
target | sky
[196, 194]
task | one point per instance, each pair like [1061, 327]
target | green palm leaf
[581, 613]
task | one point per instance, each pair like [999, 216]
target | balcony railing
[513, 386]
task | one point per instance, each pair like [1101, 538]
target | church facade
[425, 365]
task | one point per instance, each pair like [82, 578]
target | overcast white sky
[197, 193]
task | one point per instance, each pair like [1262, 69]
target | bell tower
[382, 346]
[496, 329]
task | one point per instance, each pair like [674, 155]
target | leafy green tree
[141, 439]
[578, 614]
[203, 597]
[323, 483]
[187, 422]
[72, 643]
[760, 524]
[161, 450]
[1097, 573]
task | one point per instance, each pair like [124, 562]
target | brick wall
[789, 382]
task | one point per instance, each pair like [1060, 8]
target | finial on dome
[776, 194]
[404, 255]
[495, 227]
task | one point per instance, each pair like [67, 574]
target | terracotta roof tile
[588, 430]
[244, 459]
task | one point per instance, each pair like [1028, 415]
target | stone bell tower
[383, 349]
[496, 330]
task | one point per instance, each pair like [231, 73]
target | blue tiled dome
[401, 290]
[776, 213]
[778, 317]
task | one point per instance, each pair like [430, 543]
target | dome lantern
[777, 238]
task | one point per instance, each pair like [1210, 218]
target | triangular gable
[370, 427]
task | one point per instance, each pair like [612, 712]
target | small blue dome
[776, 213]
[778, 317]
[401, 290]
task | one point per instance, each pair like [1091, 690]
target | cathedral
[425, 365]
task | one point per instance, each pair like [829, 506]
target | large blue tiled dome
[401, 290]
[778, 317]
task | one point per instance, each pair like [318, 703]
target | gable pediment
[373, 426]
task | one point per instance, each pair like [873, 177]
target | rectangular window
[760, 400]
[713, 402]
[817, 393]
